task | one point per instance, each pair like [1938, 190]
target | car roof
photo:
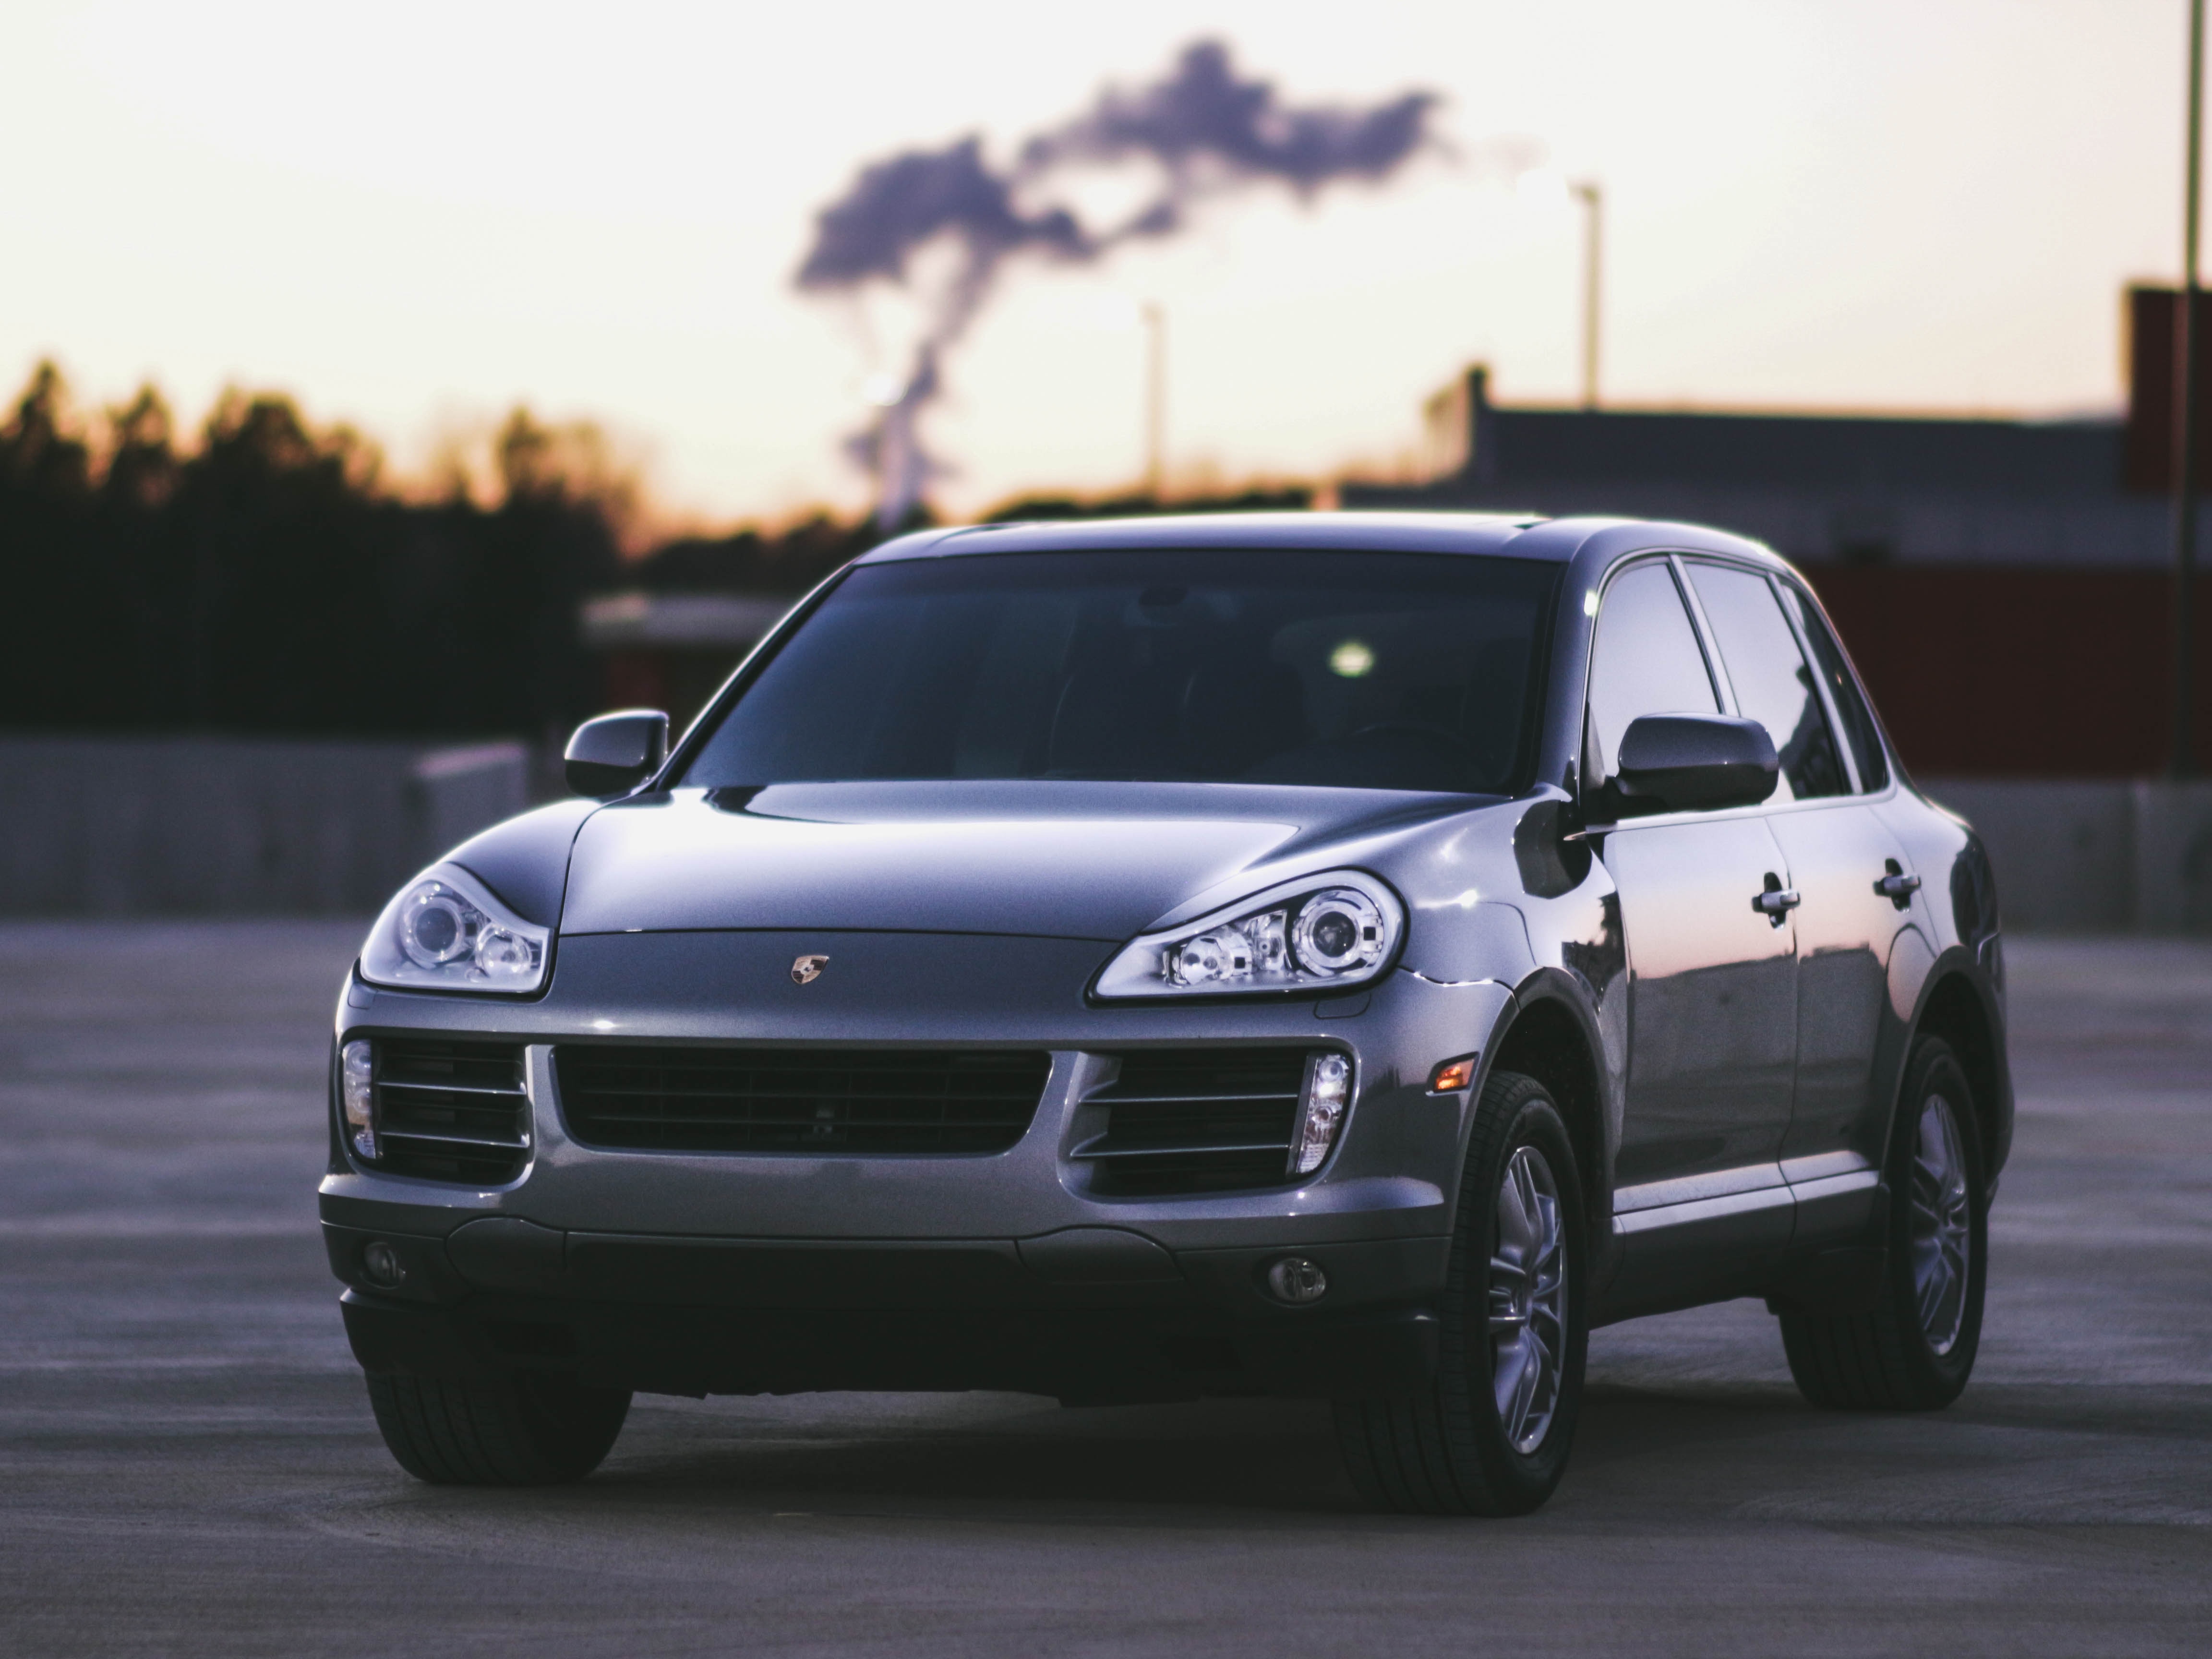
[1402, 532]
[1526, 536]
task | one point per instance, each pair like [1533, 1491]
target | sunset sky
[410, 216]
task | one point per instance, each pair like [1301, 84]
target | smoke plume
[1207, 132]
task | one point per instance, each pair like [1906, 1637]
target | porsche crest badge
[806, 969]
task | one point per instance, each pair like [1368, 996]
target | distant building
[672, 650]
[1819, 488]
[2004, 585]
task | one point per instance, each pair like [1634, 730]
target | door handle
[1778, 900]
[1896, 886]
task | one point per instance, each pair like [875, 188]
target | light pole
[1156, 398]
[1587, 193]
[2183, 762]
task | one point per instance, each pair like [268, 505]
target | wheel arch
[1954, 1007]
[1549, 1036]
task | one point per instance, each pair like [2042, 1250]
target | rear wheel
[1914, 1348]
[522, 1429]
[1492, 1436]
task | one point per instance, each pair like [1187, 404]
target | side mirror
[1682, 762]
[612, 755]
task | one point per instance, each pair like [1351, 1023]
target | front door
[1698, 1192]
[1713, 1008]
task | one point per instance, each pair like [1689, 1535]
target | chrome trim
[1709, 1209]
[1858, 1181]
[1708, 640]
[1820, 1166]
[522, 1145]
[515, 1093]
[541, 1105]
[1740, 1191]
[1186, 1100]
[1091, 1150]
[1686, 1189]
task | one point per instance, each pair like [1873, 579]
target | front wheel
[1914, 1348]
[522, 1429]
[1492, 1436]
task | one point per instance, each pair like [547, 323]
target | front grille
[1197, 1120]
[798, 1100]
[450, 1110]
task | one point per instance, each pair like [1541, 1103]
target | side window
[1773, 683]
[1645, 660]
[1859, 729]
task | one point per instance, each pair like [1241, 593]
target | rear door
[1838, 854]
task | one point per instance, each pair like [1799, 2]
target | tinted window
[1382, 671]
[1859, 729]
[1772, 684]
[1645, 661]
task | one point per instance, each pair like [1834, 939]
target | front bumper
[714, 1273]
[1100, 1319]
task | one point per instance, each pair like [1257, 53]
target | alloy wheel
[1942, 1224]
[1528, 1299]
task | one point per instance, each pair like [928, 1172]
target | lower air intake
[667, 1098]
[448, 1110]
[1197, 1120]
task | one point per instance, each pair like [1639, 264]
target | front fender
[1550, 1025]
[525, 860]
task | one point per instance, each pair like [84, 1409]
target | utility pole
[1592, 199]
[1156, 398]
[2184, 760]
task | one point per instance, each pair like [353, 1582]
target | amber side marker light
[1452, 1076]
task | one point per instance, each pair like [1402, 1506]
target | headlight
[1320, 934]
[446, 932]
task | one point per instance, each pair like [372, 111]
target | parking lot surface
[187, 1463]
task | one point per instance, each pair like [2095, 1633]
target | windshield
[1376, 671]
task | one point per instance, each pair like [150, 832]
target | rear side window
[1645, 661]
[1859, 729]
[1773, 684]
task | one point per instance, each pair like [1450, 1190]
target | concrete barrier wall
[2093, 856]
[181, 826]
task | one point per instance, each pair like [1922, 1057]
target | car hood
[1063, 859]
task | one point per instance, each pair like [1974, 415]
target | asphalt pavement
[188, 1466]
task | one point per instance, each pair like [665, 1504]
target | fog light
[1328, 1092]
[380, 1265]
[1296, 1281]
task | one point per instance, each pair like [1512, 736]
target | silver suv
[1332, 955]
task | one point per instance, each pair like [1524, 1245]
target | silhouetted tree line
[264, 581]
[267, 581]
[749, 561]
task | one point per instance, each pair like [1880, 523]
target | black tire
[1912, 1350]
[1447, 1449]
[522, 1429]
